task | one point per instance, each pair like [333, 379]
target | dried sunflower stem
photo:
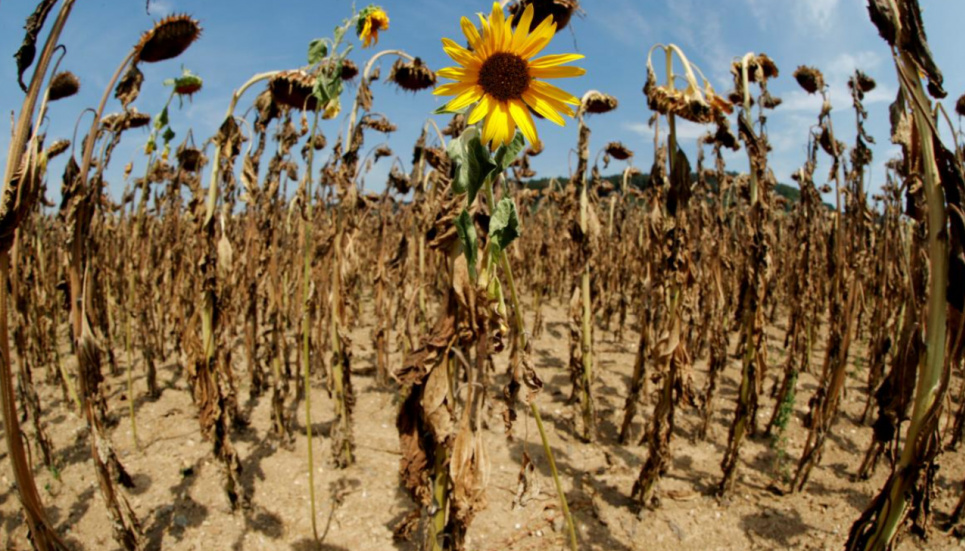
[353, 115]
[746, 399]
[42, 531]
[520, 333]
[877, 527]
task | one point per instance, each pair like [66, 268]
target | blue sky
[244, 38]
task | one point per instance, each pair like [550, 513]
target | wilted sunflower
[371, 20]
[498, 72]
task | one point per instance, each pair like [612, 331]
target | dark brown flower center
[504, 76]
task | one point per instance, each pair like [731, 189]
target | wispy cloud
[685, 130]
[160, 8]
[819, 12]
[624, 22]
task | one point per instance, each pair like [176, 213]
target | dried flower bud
[318, 142]
[437, 158]
[349, 69]
[809, 78]
[412, 76]
[189, 158]
[960, 106]
[293, 89]
[137, 120]
[63, 85]
[377, 123]
[57, 148]
[618, 151]
[864, 82]
[598, 102]
[168, 39]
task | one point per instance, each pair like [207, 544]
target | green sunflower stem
[520, 333]
[306, 325]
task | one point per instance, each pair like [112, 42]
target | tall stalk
[876, 528]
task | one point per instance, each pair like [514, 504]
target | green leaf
[473, 162]
[161, 120]
[467, 235]
[507, 153]
[317, 50]
[168, 135]
[443, 111]
[504, 224]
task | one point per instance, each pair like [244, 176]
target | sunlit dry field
[248, 350]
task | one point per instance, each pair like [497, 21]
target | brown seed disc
[293, 89]
[168, 39]
[63, 85]
[412, 76]
[560, 10]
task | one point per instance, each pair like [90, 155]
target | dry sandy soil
[180, 503]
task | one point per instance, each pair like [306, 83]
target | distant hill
[641, 181]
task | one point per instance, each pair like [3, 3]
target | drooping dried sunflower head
[168, 39]
[63, 85]
[691, 103]
[618, 151]
[598, 102]
[960, 106]
[412, 76]
[378, 123]
[863, 82]
[560, 10]
[349, 69]
[137, 120]
[809, 78]
[189, 158]
[117, 122]
[57, 148]
[293, 89]
[760, 68]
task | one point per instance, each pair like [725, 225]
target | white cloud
[819, 12]
[686, 130]
[623, 21]
[760, 10]
[160, 8]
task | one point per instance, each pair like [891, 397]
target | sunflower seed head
[63, 85]
[169, 38]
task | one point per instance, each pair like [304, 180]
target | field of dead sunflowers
[247, 350]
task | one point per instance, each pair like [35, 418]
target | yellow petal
[538, 39]
[520, 114]
[550, 91]
[489, 128]
[464, 99]
[482, 109]
[472, 34]
[459, 54]
[509, 127]
[542, 106]
[522, 28]
[562, 71]
[552, 60]
[498, 26]
[452, 88]
[459, 73]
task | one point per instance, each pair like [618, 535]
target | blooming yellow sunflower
[371, 20]
[498, 71]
